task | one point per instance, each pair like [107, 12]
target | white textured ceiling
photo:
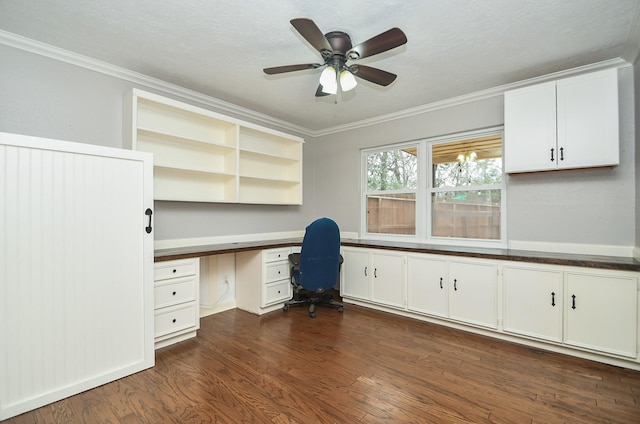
[219, 47]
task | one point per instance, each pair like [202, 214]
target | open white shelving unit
[202, 156]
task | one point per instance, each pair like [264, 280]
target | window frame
[366, 193]
[424, 190]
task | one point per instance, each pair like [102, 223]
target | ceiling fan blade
[290, 68]
[320, 93]
[374, 75]
[310, 31]
[380, 43]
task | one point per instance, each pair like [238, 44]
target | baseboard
[575, 248]
[221, 307]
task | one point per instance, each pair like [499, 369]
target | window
[459, 200]
[392, 179]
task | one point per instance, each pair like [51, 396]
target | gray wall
[44, 97]
[596, 206]
[637, 147]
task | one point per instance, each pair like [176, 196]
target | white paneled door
[76, 268]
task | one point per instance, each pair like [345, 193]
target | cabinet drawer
[277, 271]
[174, 292]
[175, 319]
[277, 292]
[277, 255]
[171, 269]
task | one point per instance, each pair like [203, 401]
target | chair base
[312, 300]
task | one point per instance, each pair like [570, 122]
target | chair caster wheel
[341, 309]
[312, 314]
[285, 307]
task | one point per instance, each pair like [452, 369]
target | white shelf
[202, 156]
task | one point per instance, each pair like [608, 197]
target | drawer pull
[573, 301]
[174, 320]
[553, 298]
[174, 293]
[440, 282]
[455, 284]
[174, 271]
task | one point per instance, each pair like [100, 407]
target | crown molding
[36, 47]
[42, 49]
[472, 97]
[631, 49]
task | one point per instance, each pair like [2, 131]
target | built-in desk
[586, 261]
[581, 305]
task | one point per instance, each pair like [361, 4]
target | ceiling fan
[336, 49]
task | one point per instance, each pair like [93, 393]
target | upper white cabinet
[564, 124]
[203, 156]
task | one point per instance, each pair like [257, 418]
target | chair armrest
[294, 259]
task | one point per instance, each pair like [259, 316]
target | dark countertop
[587, 261]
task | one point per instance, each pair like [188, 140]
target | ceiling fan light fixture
[328, 80]
[347, 80]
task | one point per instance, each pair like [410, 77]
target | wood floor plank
[358, 366]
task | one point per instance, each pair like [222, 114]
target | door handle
[148, 212]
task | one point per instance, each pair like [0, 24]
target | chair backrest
[320, 255]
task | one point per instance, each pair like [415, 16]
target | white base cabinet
[374, 275]
[263, 281]
[176, 289]
[473, 293]
[586, 312]
[462, 291]
[533, 301]
[601, 312]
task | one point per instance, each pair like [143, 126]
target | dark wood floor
[360, 366]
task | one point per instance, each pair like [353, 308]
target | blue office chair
[315, 270]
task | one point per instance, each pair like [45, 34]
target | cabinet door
[601, 312]
[587, 107]
[387, 279]
[427, 285]
[473, 293]
[530, 128]
[355, 271]
[533, 302]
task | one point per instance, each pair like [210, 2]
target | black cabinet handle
[375, 272]
[148, 212]
[552, 159]
[365, 271]
[174, 293]
[573, 301]
[440, 282]
[174, 320]
[455, 284]
[562, 153]
[553, 299]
